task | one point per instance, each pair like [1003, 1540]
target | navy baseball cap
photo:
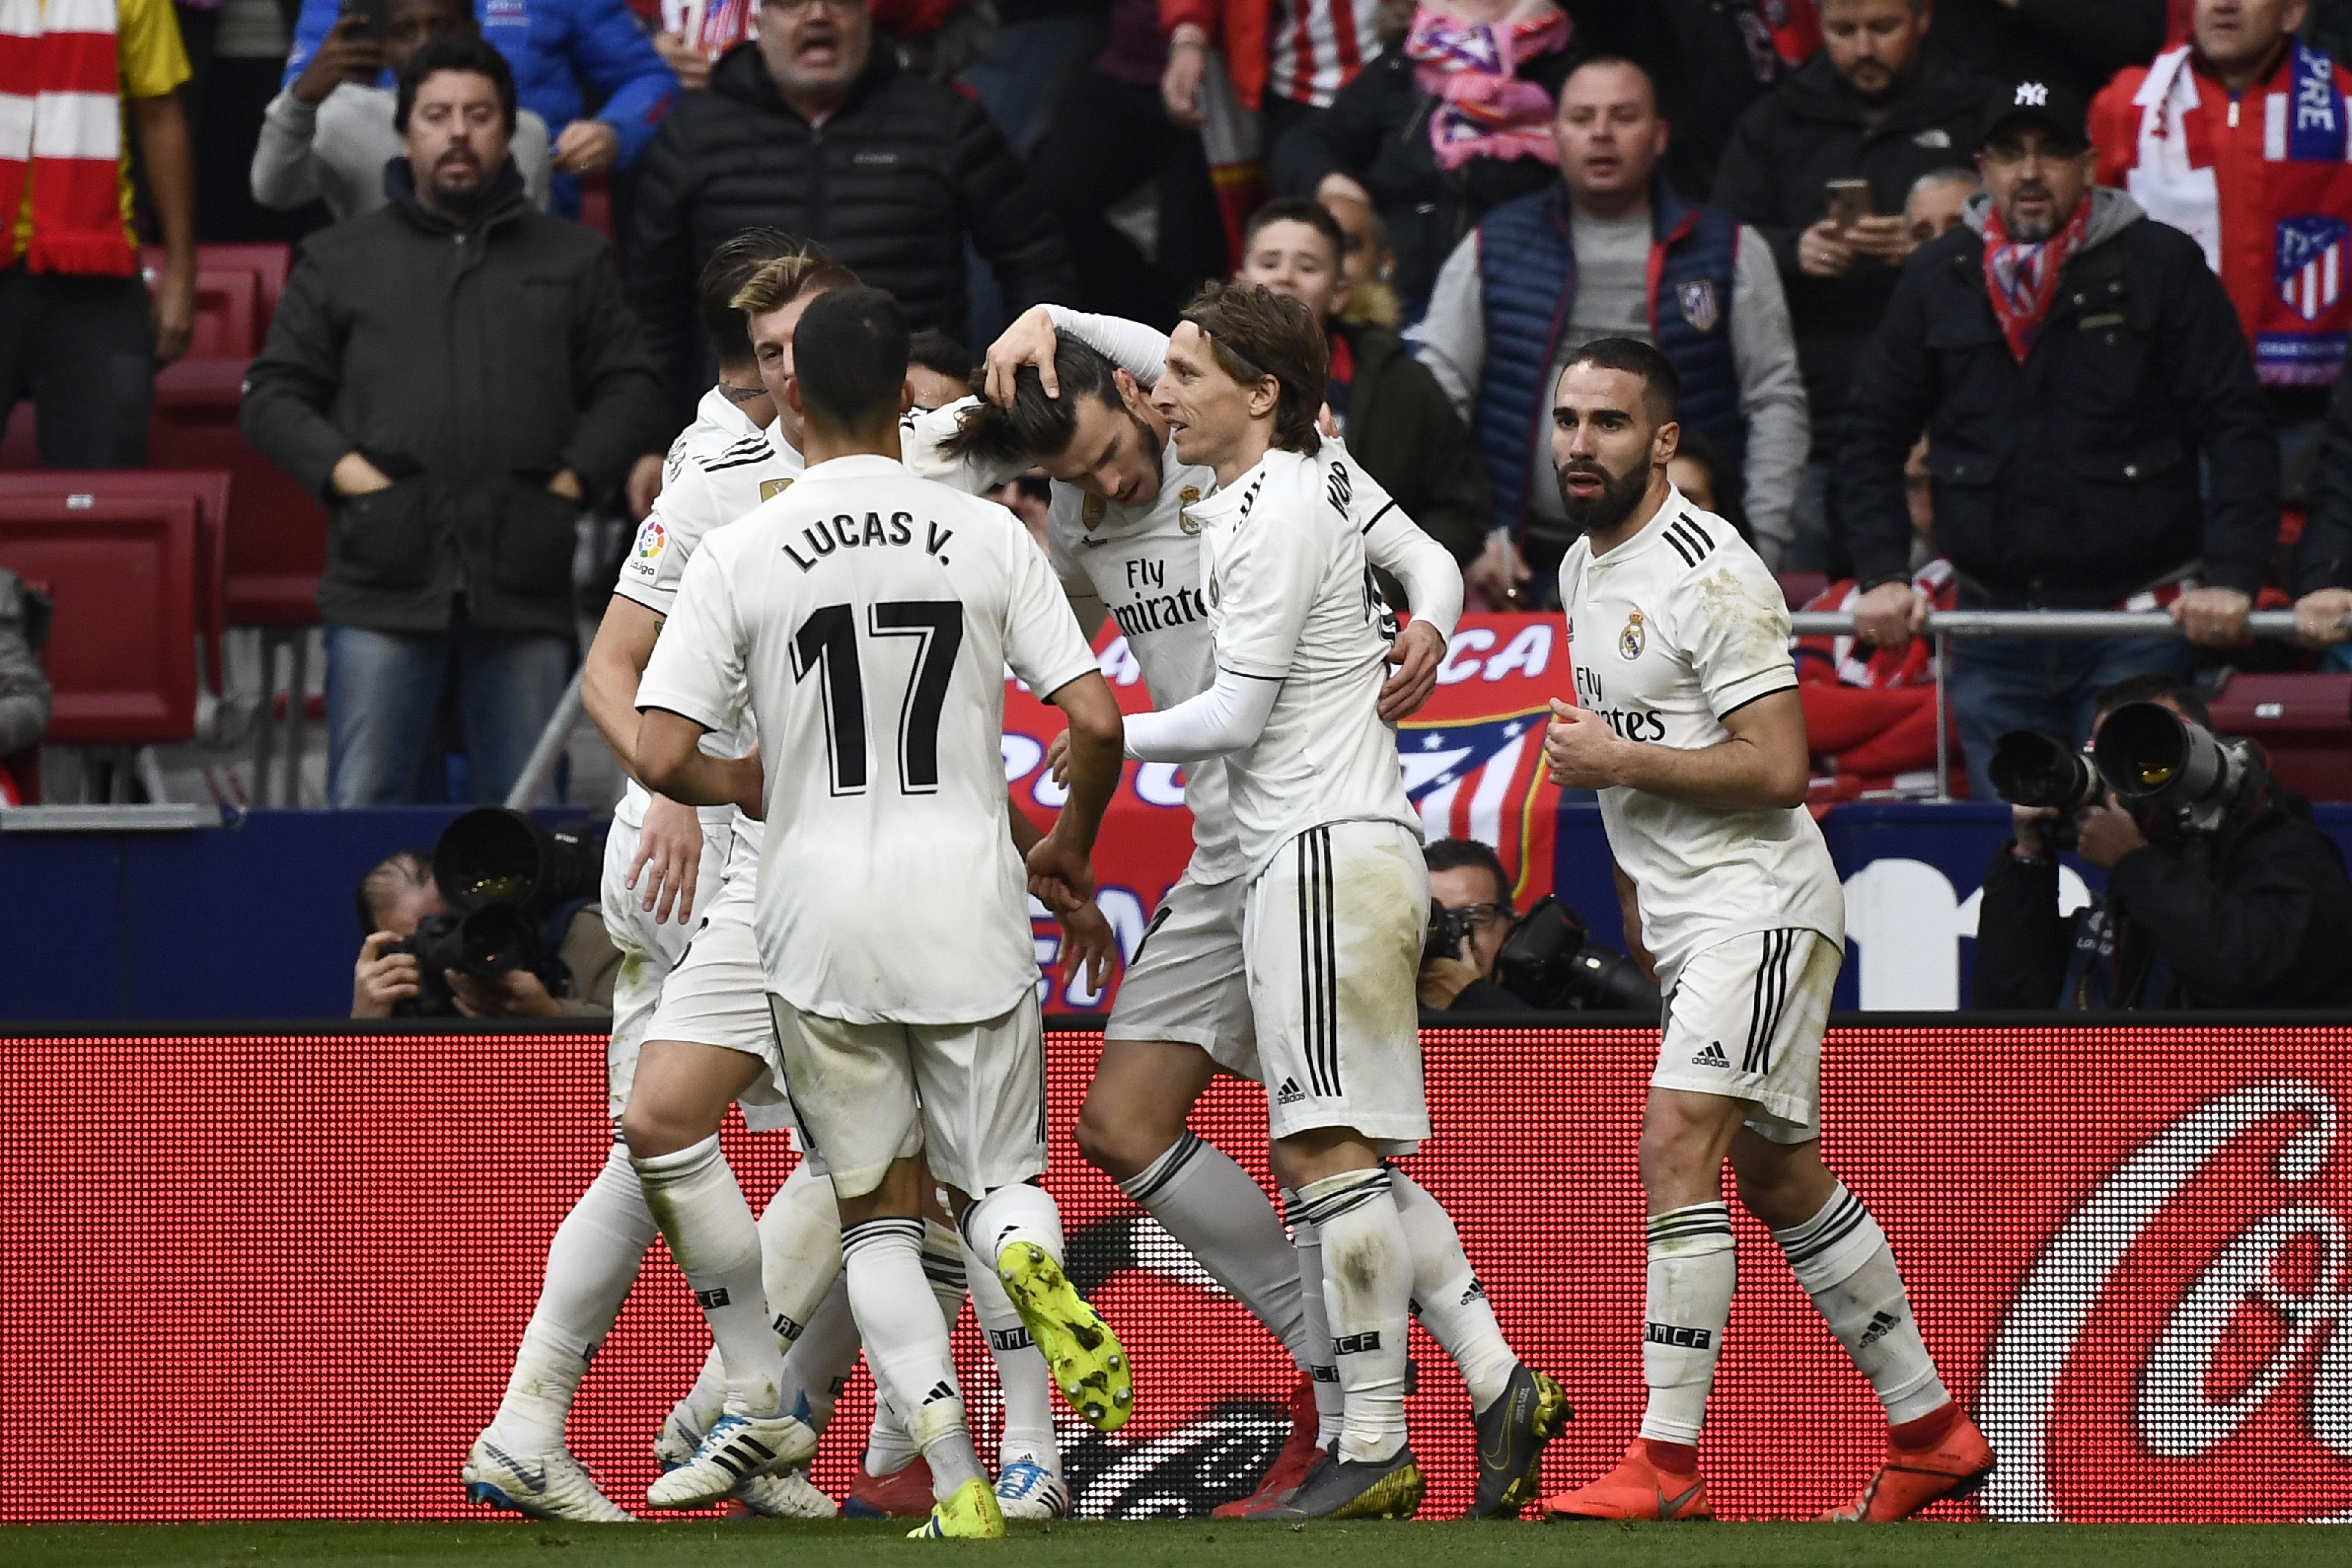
[2036, 98]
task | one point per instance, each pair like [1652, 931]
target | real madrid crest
[771, 488]
[1091, 514]
[1629, 641]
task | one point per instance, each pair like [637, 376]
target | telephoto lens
[2152, 757]
[2030, 769]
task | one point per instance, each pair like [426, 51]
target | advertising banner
[306, 1262]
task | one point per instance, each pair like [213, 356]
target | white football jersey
[869, 616]
[1144, 563]
[1291, 599]
[718, 468]
[1667, 633]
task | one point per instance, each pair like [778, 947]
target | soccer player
[1121, 534]
[906, 1021]
[1686, 721]
[677, 856]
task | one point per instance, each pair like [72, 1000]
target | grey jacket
[335, 150]
[24, 687]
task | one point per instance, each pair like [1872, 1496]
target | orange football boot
[1636, 1489]
[1913, 1478]
[1290, 1465]
[902, 1494]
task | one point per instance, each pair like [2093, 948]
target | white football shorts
[973, 1096]
[1333, 940]
[1744, 1021]
[1187, 981]
[648, 950]
[718, 994]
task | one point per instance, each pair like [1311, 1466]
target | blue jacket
[565, 53]
[1526, 277]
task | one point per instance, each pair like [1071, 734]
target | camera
[2157, 761]
[2029, 769]
[1550, 963]
[1448, 929]
[508, 879]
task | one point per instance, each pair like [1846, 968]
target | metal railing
[1943, 626]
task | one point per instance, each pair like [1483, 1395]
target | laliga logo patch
[771, 488]
[1091, 514]
[1214, 600]
[2187, 1332]
[1629, 640]
[652, 540]
[1700, 307]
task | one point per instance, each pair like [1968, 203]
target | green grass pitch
[1174, 1545]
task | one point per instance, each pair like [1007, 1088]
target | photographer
[399, 894]
[1479, 957]
[2249, 913]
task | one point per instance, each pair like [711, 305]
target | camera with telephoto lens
[506, 878]
[1448, 929]
[1550, 963]
[2159, 764]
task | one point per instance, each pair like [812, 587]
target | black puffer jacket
[1804, 133]
[470, 364]
[2324, 557]
[1376, 134]
[2072, 480]
[892, 184]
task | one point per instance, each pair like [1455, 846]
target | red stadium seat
[2303, 720]
[1801, 588]
[277, 544]
[121, 567]
[265, 264]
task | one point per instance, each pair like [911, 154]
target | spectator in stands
[938, 369]
[2252, 915]
[1391, 410]
[2321, 575]
[328, 134]
[1876, 104]
[1938, 204]
[79, 331]
[454, 405]
[1452, 121]
[24, 684]
[1368, 263]
[2238, 138]
[394, 899]
[1287, 60]
[1107, 139]
[1707, 482]
[564, 54]
[2071, 44]
[1611, 251]
[812, 129]
[1711, 59]
[2096, 437]
[1466, 879]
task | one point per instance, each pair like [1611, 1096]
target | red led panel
[305, 1263]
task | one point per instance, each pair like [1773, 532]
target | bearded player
[1686, 721]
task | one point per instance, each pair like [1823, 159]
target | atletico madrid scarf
[2023, 279]
[61, 126]
[1483, 109]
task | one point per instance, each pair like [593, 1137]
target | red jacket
[1239, 29]
[2264, 184]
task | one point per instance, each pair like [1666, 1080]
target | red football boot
[1636, 1489]
[902, 1494]
[1952, 1466]
[1290, 1465]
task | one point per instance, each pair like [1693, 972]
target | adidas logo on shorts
[1712, 1056]
[1289, 1093]
[938, 1391]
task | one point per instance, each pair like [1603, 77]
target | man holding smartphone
[1820, 167]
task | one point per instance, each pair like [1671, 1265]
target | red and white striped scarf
[61, 126]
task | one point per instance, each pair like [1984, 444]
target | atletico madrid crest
[2311, 263]
[1701, 307]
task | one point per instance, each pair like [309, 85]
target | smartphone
[371, 13]
[1849, 202]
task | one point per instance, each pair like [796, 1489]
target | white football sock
[591, 1265]
[800, 1249]
[1222, 1217]
[1368, 1290]
[1315, 1323]
[1447, 1296]
[1017, 1213]
[907, 1345]
[711, 1232]
[1841, 1259]
[1694, 1267]
[1021, 1373]
[943, 1266]
[822, 1359]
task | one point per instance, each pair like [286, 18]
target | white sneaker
[736, 1449]
[789, 1496]
[541, 1486]
[1027, 1489]
[675, 1444]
